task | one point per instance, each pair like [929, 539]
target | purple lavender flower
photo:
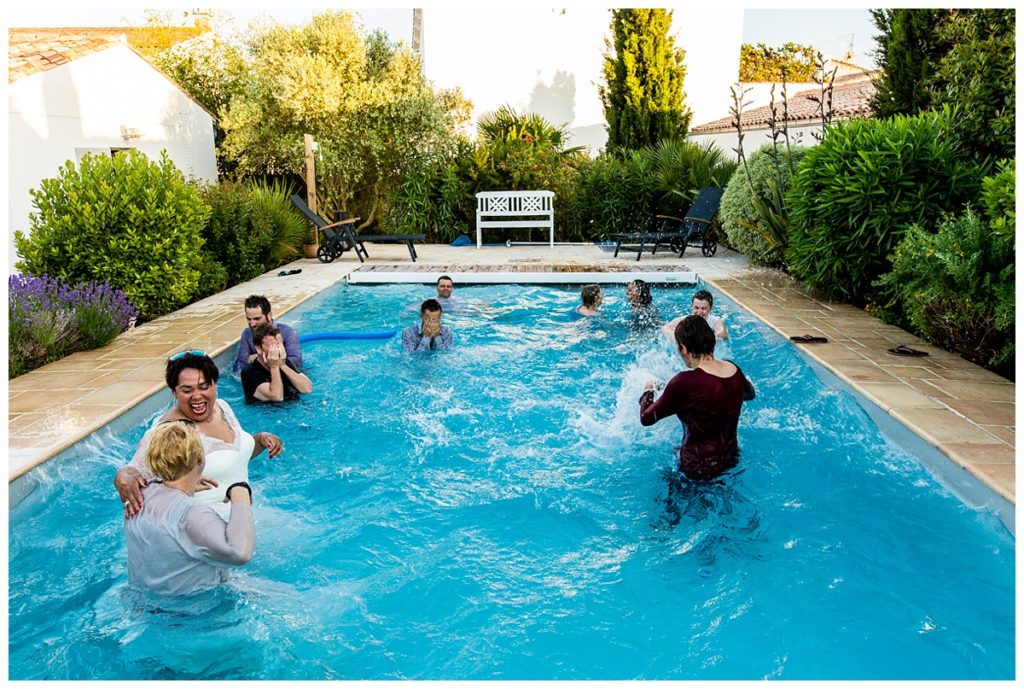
[49, 318]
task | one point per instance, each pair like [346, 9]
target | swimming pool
[497, 512]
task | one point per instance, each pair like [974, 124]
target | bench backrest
[515, 202]
[531, 208]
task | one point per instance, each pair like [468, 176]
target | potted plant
[309, 244]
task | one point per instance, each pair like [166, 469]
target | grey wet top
[178, 546]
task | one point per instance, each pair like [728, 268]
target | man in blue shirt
[257, 312]
[428, 334]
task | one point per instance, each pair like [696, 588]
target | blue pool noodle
[378, 335]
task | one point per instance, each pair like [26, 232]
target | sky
[829, 30]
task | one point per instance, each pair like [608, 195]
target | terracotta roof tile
[850, 98]
[31, 51]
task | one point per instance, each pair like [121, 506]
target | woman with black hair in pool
[707, 399]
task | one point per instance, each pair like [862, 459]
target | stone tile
[939, 426]
[34, 401]
[978, 390]
[983, 412]
[17, 422]
[967, 454]
[124, 393]
[973, 373]
[63, 380]
[854, 372]
[890, 396]
[908, 372]
[1007, 434]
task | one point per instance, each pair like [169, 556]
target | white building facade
[104, 101]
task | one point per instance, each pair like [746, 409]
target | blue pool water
[498, 512]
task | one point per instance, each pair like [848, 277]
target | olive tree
[364, 100]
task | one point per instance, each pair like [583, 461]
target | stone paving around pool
[965, 411]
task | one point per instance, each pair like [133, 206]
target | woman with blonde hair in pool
[175, 544]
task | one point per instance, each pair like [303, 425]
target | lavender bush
[49, 319]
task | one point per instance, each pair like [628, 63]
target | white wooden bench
[530, 208]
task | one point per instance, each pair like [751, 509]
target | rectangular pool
[497, 512]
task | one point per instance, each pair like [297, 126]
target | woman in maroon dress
[707, 399]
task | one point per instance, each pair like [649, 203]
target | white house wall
[56, 114]
[754, 139]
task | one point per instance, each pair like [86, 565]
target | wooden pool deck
[966, 412]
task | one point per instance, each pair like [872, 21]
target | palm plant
[682, 168]
[286, 228]
[505, 124]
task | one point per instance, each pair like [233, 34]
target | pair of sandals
[898, 350]
[283, 273]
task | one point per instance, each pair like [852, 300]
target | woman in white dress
[192, 377]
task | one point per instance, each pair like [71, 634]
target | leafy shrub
[437, 198]
[232, 236]
[49, 319]
[792, 62]
[615, 195]
[999, 198]
[252, 229]
[856, 193]
[977, 75]
[956, 286]
[125, 219]
[742, 225]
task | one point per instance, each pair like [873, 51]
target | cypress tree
[642, 92]
[908, 52]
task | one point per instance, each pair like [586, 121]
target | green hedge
[125, 220]
[856, 193]
[614, 195]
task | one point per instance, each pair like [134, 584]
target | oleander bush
[49, 318]
[126, 220]
[743, 226]
[855, 195]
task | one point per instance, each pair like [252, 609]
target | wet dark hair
[588, 293]
[258, 301]
[203, 364]
[703, 295]
[262, 332]
[430, 305]
[694, 333]
[643, 292]
[445, 277]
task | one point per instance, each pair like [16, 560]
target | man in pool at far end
[428, 334]
[447, 300]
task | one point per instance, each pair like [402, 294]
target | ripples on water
[498, 512]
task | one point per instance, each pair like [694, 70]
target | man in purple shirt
[257, 312]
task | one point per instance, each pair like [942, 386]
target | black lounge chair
[678, 233]
[341, 236]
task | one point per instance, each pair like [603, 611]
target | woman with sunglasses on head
[175, 544]
[192, 378]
